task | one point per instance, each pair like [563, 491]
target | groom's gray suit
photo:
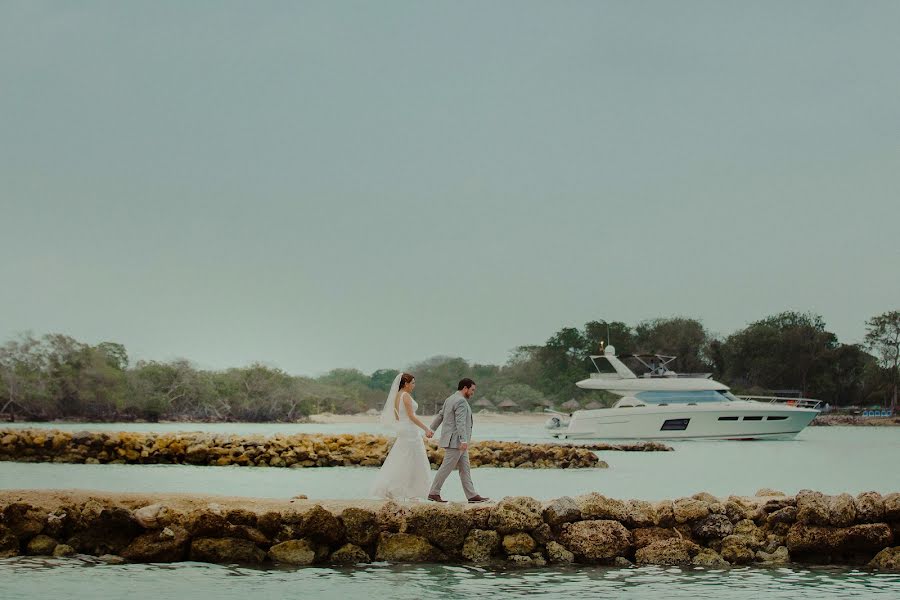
[456, 417]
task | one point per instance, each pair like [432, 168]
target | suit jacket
[456, 416]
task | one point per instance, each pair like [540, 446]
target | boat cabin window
[686, 397]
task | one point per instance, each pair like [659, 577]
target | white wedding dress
[406, 471]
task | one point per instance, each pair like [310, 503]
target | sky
[314, 185]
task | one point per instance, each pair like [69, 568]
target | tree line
[58, 377]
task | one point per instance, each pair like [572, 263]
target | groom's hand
[464, 446]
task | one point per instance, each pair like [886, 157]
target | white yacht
[661, 404]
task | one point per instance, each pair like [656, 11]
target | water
[38, 579]
[830, 459]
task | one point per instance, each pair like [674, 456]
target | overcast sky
[367, 184]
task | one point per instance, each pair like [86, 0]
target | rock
[111, 559]
[361, 526]
[706, 497]
[713, 526]
[562, 510]
[513, 514]
[841, 510]
[62, 550]
[518, 543]
[56, 523]
[480, 516]
[738, 549]
[667, 552]
[405, 547]
[887, 560]
[166, 545]
[241, 516]
[225, 550]
[270, 523]
[203, 523]
[526, 562]
[349, 554]
[786, 515]
[542, 534]
[445, 527]
[621, 562]
[892, 507]
[869, 507]
[9, 543]
[480, 545]
[391, 517]
[762, 492]
[644, 536]
[24, 520]
[294, 552]
[710, 559]
[738, 509]
[639, 513]
[42, 545]
[596, 506]
[690, 509]
[108, 531]
[805, 539]
[154, 516]
[867, 537]
[779, 557]
[596, 540]
[665, 513]
[557, 554]
[812, 508]
[322, 526]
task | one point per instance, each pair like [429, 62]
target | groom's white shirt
[456, 416]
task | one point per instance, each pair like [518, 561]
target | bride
[406, 470]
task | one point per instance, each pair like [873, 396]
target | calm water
[30, 578]
[831, 459]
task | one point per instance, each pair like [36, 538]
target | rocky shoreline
[294, 451]
[704, 531]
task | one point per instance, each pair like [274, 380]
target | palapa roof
[508, 404]
[484, 402]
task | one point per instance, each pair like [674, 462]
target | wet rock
[713, 526]
[786, 515]
[480, 545]
[111, 559]
[169, 544]
[644, 536]
[562, 510]
[24, 520]
[639, 513]
[294, 552]
[892, 507]
[518, 543]
[812, 508]
[542, 534]
[322, 526]
[738, 509]
[56, 523]
[526, 562]
[596, 540]
[512, 514]
[667, 552]
[203, 523]
[480, 516]
[404, 547]
[596, 506]
[62, 550]
[804, 539]
[557, 554]
[841, 510]
[391, 517]
[108, 532]
[42, 545]
[887, 560]
[665, 513]
[869, 536]
[445, 527]
[710, 559]
[361, 526]
[9, 543]
[349, 554]
[154, 516]
[241, 516]
[690, 509]
[270, 523]
[869, 507]
[780, 556]
[738, 549]
[621, 562]
[226, 551]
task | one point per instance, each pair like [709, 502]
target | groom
[456, 433]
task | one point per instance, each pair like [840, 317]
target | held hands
[464, 446]
[429, 433]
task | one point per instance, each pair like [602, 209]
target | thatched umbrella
[484, 403]
[593, 405]
[508, 404]
[571, 405]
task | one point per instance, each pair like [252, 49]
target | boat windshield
[686, 397]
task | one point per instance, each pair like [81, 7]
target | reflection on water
[30, 578]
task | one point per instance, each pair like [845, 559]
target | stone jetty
[698, 531]
[296, 451]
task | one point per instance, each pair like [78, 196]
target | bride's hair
[405, 379]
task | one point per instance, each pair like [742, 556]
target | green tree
[883, 339]
[684, 338]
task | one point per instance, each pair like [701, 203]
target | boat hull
[733, 421]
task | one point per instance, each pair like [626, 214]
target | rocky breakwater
[307, 450]
[518, 531]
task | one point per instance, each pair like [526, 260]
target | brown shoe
[436, 498]
[476, 499]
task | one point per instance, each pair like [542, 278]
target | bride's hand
[429, 433]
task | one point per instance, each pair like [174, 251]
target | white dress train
[406, 471]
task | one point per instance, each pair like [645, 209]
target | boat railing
[798, 402]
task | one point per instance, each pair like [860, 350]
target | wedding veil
[390, 417]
